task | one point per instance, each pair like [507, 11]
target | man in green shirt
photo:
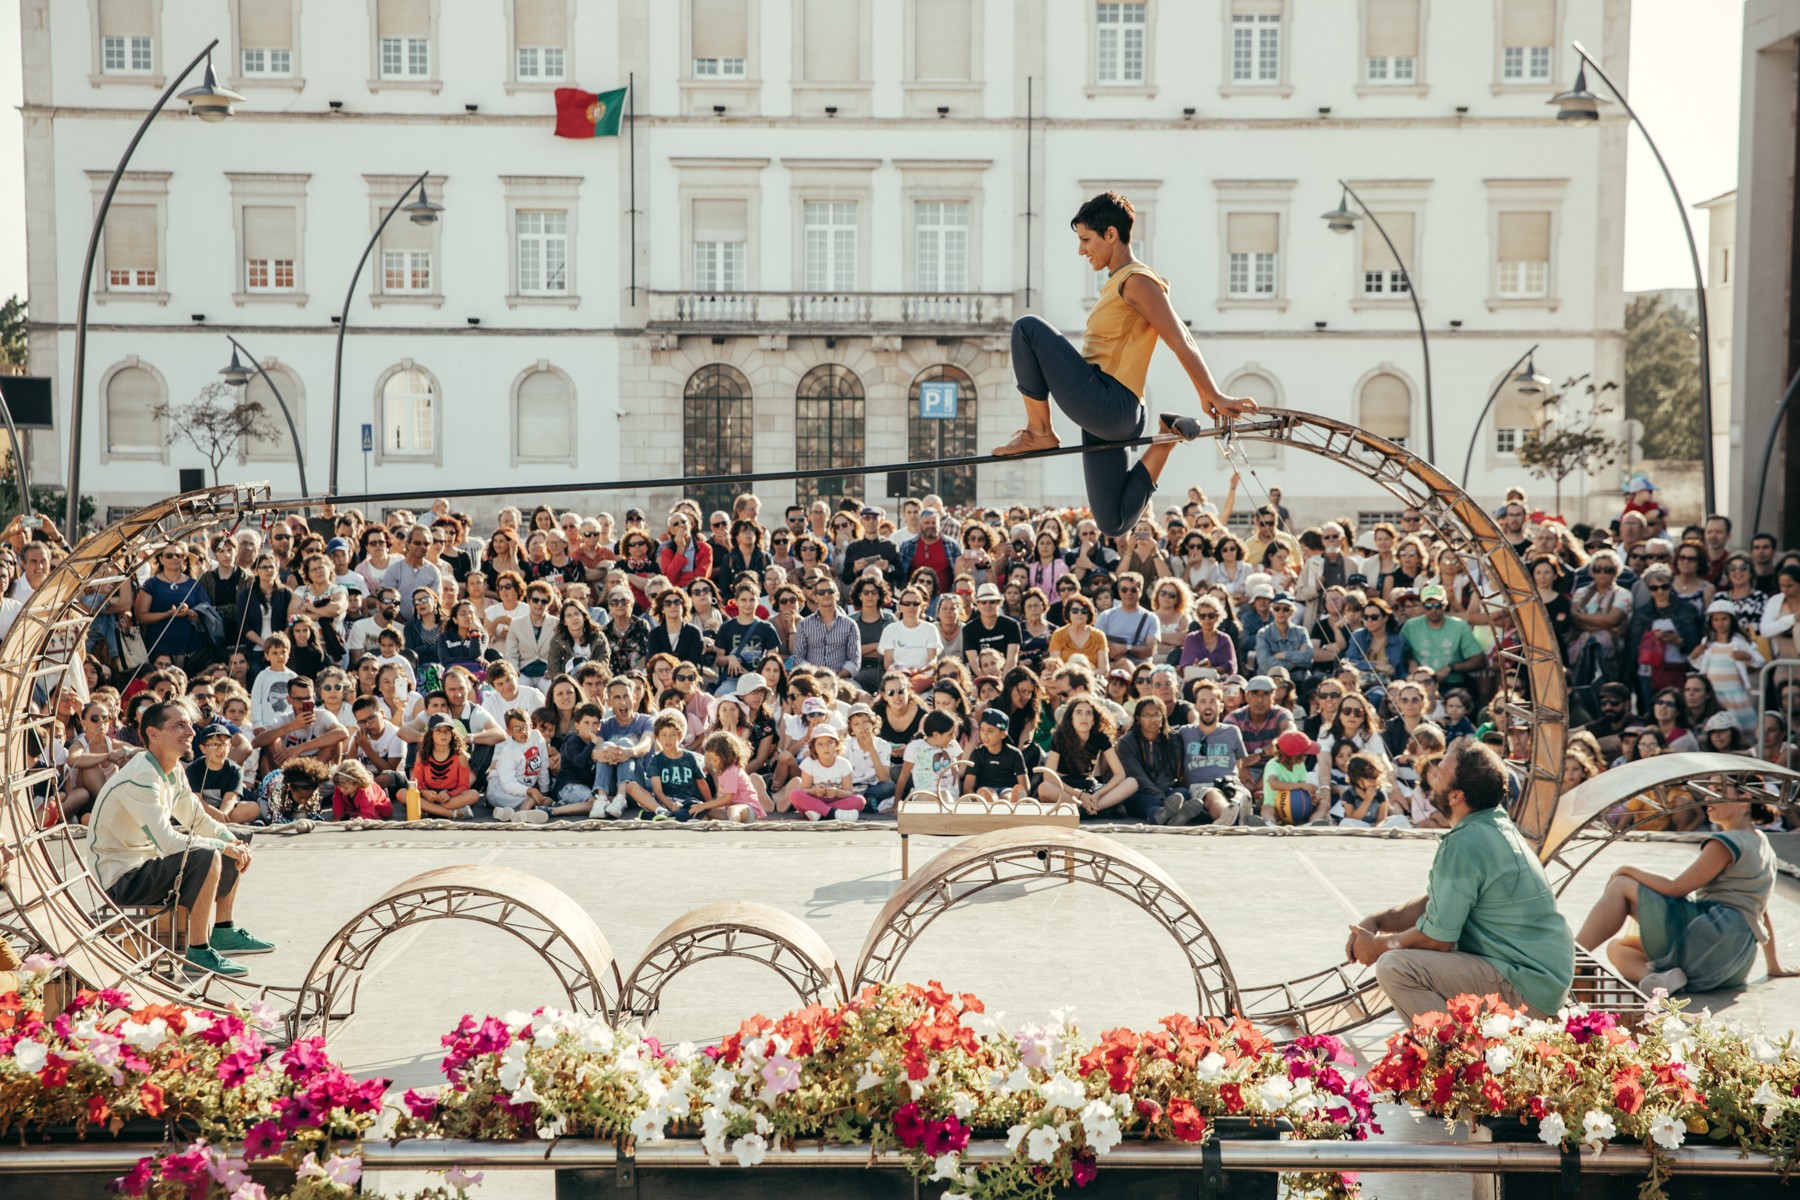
[1487, 922]
[1444, 644]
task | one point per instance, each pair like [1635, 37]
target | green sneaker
[238, 941]
[205, 958]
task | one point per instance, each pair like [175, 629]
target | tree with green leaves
[1662, 377]
[217, 424]
[12, 335]
[1573, 438]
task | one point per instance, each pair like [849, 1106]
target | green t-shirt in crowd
[1451, 642]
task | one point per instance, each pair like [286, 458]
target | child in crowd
[520, 773]
[1341, 754]
[739, 795]
[390, 641]
[354, 793]
[1366, 804]
[574, 786]
[870, 757]
[268, 692]
[674, 779]
[928, 766]
[1458, 707]
[825, 779]
[445, 782]
[996, 767]
[1287, 774]
[217, 781]
[291, 793]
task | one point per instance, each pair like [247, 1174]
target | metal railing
[1765, 704]
[778, 310]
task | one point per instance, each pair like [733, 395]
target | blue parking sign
[937, 400]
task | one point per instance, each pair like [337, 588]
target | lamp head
[236, 373]
[422, 211]
[1528, 382]
[1341, 219]
[211, 101]
[1577, 104]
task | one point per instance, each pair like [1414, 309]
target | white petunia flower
[1597, 1129]
[1673, 1028]
[963, 1105]
[515, 1021]
[1765, 1095]
[1763, 1050]
[1276, 1093]
[1014, 1136]
[511, 1073]
[1552, 1129]
[712, 1131]
[30, 1056]
[869, 1078]
[945, 1166]
[1059, 1091]
[1499, 1059]
[1018, 1081]
[1041, 1143]
[1210, 1067]
[1667, 1132]
[648, 1127]
[526, 1094]
[750, 1149]
[1496, 1026]
[1100, 1122]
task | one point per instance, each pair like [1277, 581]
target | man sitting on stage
[1487, 922]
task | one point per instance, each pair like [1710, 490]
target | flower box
[82, 1185]
[1524, 1185]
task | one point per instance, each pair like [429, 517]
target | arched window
[717, 429]
[1515, 415]
[132, 427]
[409, 402]
[543, 424]
[828, 425]
[279, 445]
[1384, 407]
[937, 437]
[1264, 390]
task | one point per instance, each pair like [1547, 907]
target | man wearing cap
[989, 627]
[1259, 722]
[1615, 713]
[1281, 643]
[1488, 921]
[869, 549]
[216, 780]
[1131, 630]
[1443, 644]
[339, 550]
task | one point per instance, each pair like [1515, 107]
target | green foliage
[12, 334]
[1568, 442]
[1662, 377]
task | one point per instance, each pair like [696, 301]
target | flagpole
[631, 115]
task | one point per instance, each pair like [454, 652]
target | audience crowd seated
[825, 661]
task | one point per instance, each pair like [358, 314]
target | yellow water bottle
[412, 801]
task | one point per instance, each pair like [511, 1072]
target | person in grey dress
[1699, 931]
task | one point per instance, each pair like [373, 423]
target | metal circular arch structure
[536, 912]
[1033, 853]
[739, 929]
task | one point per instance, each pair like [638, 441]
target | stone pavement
[1277, 903]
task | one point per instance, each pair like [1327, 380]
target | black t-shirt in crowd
[212, 785]
[998, 770]
[976, 636]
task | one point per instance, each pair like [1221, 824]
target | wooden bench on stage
[923, 813]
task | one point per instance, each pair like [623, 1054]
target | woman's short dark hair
[1107, 209]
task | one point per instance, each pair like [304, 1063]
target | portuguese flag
[582, 114]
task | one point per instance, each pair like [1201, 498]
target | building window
[543, 252]
[404, 30]
[543, 417]
[830, 245]
[268, 63]
[941, 246]
[1527, 34]
[1384, 407]
[1119, 43]
[1251, 246]
[831, 41]
[1255, 43]
[279, 445]
[540, 40]
[269, 248]
[125, 55]
[405, 58]
[408, 414]
[1261, 387]
[828, 426]
[133, 429]
[1382, 273]
[540, 64]
[1507, 439]
[718, 426]
[937, 437]
[1391, 42]
[265, 31]
[720, 38]
[941, 40]
[1522, 270]
[406, 271]
[130, 247]
[721, 239]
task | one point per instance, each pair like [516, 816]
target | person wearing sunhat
[824, 787]
[990, 627]
[1443, 644]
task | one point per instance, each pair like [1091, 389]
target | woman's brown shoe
[1025, 441]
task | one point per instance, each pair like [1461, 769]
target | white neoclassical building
[815, 207]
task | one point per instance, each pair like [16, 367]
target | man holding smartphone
[310, 730]
[870, 550]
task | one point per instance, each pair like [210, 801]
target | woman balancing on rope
[1101, 387]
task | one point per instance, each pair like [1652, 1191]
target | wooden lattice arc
[736, 929]
[1580, 831]
[532, 910]
[1033, 854]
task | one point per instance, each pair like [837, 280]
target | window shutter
[941, 39]
[1258, 387]
[125, 18]
[1375, 256]
[279, 443]
[402, 234]
[131, 238]
[269, 232]
[1251, 233]
[131, 424]
[1256, 8]
[403, 18]
[833, 40]
[721, 29]
[266, 24]
[721, 221]
[540, 23]
[543, 416]
[1393, 28]
[1524, 237]
[1528, 23]
[1386, 407]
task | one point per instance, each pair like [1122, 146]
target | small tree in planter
[1580, 442]
[214, 427]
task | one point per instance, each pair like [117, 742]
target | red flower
[1188, 1122]
[1628, 1093]
[98, 1110]
[909, 1125]
[1084, 1168]
[151, 1097]
[1233, 1095]
[55, 1073]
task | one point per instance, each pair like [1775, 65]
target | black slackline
[685, 481]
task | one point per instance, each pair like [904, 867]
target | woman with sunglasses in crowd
[684, 557]
[637, 561]
[1690, 585]
[1229, 570]
[1376, 650]
[1035, 630]
[263, 610]
[1740, 591]
[1171, 603]
[425, 627]
[502, 556]
[627, 634]
[463, 642]
[1665, 713]
[673, 633]
[168, 607]
[1047, 566]
[703, 606]
[1209, 646]
[1191, 560]
[1355, 725]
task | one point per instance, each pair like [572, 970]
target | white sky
[1684, 84]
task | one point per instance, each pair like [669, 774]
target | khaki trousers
[1421, 981]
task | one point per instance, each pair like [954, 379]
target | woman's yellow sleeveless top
[1118, 340]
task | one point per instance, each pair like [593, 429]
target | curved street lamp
[1526, 383]
[1342, 220]
[238, 375]
[212, 103]
[421, 212]
[1579, 104]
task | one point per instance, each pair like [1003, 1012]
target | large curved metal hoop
[537, 913]
[733, 929]
[1038, 853]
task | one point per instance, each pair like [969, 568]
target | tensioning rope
[686, 481]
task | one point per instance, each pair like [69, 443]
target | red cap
[1294, 744]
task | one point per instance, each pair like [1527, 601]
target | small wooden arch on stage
[734, 929]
